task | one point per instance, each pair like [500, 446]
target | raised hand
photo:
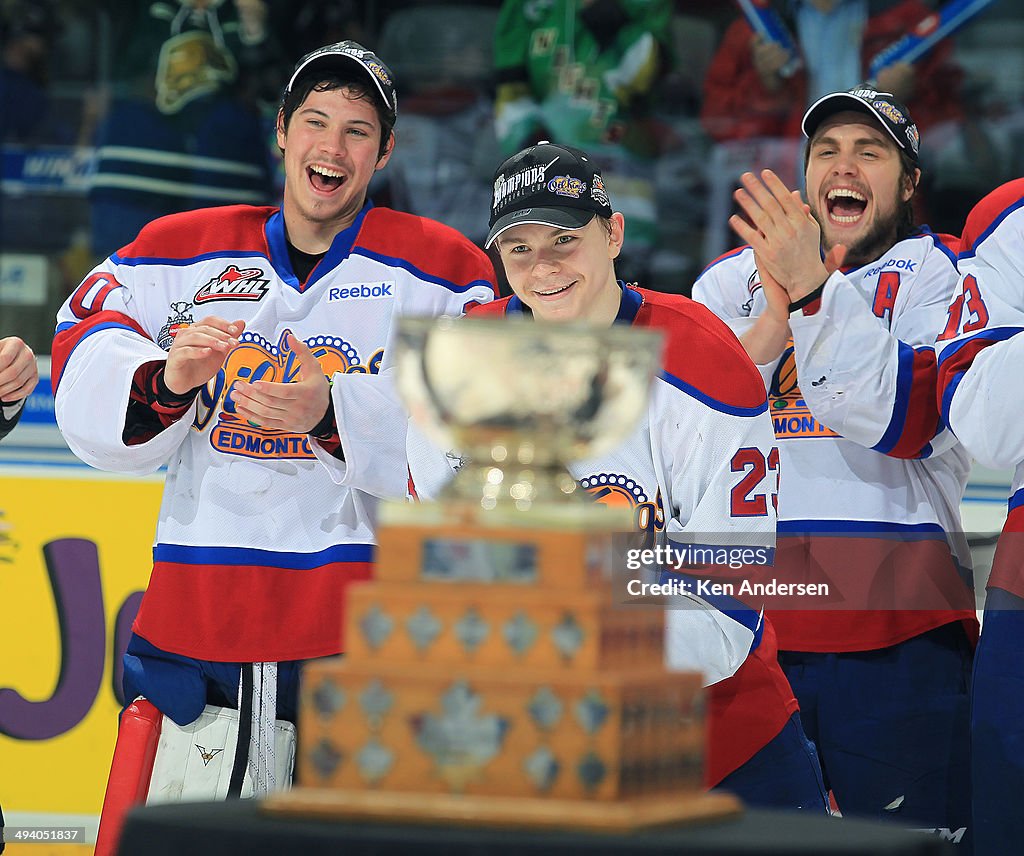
[776, 296]
[785, 237]
[769, 59]
[900, 79]
[198, 352]
[18, 372]
[294, 407]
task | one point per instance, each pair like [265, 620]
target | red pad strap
[130, 770]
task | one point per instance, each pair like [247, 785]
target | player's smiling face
[331, 151]
[565, 274]
[855, 185]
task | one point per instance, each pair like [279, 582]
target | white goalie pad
[193, 762]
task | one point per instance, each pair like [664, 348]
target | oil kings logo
[377, 69]
[566, 185]
[791, 416]
[618, 490]
[234, 284]
[257, 358]
[890, 112]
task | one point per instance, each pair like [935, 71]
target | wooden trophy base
[508, 812]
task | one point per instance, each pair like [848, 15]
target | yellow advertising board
[75, 555]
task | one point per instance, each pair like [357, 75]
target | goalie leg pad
[130, 771]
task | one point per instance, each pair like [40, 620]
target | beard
[881, 234]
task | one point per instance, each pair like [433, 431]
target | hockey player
[979, 371]
[18, 377]
[871, 481]
[701, 467]
[206, 346]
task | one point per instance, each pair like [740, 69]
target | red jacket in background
[736, 104]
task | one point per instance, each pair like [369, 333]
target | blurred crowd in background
[113, 112]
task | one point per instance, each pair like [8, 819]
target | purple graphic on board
[74, 570]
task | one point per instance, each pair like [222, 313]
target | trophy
[489, 676]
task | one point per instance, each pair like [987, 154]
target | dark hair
[906, 223]
[327, 81]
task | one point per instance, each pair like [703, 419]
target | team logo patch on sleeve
[178, 319]
[617, 490]
[791, 417]
[233, 283]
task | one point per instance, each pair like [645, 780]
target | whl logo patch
[234, 284]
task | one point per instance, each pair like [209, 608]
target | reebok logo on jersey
[363, 290]
[234, 284]
[899, 264]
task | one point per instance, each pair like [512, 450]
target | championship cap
[547, 184]
[341, 53]
[892, 115]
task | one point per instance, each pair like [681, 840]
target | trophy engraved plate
[376, 626]
[520, 633]
[328, 698]
[375, 761]
[375, 701]
[471, 630]
[591, 712]
[542, 768]
[545, 709]
[478, 560]
[591, 771]
[568, 636]
[489, 677]
[324, 758]
[423, 628]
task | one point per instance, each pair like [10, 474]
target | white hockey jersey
[259, 531]
[981, 357]
[871, 485]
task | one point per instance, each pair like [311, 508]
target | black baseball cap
[344, 52]
[892, 115]
[547, 184]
